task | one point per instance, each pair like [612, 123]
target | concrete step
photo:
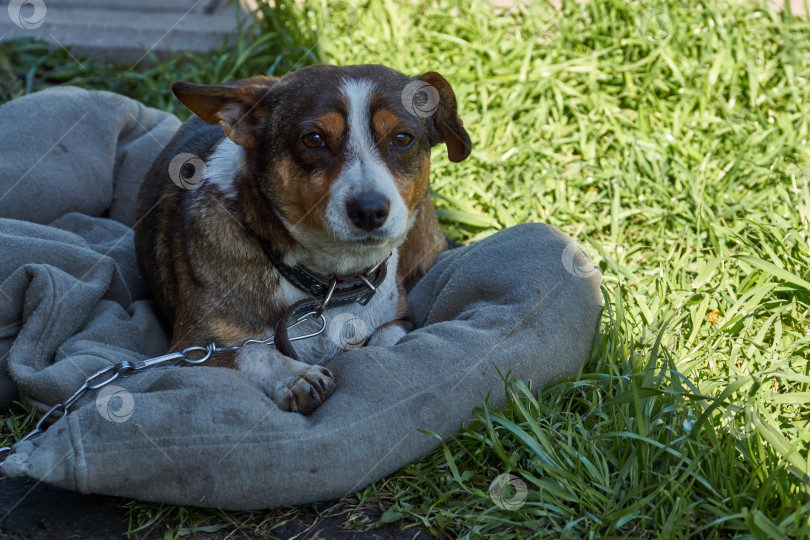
[122, 31]
[178, 6]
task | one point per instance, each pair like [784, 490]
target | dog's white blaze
[364, 169]
[382, 308]
[358, 97]
[223, 163]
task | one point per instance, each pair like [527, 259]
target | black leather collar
[347, 289]
[326, 292]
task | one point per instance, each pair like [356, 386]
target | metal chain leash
[125, 368]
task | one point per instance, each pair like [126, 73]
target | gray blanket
[72, 302]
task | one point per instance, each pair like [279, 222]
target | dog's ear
[234, 105]
[445, 125]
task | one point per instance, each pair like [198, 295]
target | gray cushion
[72, 302]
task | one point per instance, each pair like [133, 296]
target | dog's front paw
[307, 390]
[292, 385]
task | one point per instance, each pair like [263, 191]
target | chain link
[105, 376]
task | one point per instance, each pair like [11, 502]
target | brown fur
[199, 250]
[385, 124]
[333, 126]
[424, 243]
[303, 200]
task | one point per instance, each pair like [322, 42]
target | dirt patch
[37, 511]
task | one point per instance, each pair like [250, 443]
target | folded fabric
[72, 302]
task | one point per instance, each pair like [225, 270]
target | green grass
[672, 144]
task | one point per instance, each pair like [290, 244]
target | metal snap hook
[207, 350]
[305, 317]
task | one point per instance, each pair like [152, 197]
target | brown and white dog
[302, 181]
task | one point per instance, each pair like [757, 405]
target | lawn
[671, 141]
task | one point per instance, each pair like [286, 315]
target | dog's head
[341, 155]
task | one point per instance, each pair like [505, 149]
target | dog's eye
[313, 140]
[401, 140]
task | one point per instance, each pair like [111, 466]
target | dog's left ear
[445, 125]
[236, 106]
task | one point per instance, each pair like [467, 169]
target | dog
[300, 199]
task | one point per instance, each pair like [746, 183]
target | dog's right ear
[445, 125]
[234, 105]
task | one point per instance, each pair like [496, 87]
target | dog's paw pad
[307, 390]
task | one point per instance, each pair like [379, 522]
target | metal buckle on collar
[366, 279]
[368, 295]
[327, 298]
[363, 298]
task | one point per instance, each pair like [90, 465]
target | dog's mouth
[372, 241]
[376, 240]
[327, 253]
[384, 236]
[366, 246]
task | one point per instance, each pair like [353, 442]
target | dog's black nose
[368, 210]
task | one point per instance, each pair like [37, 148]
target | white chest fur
[347, 327]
